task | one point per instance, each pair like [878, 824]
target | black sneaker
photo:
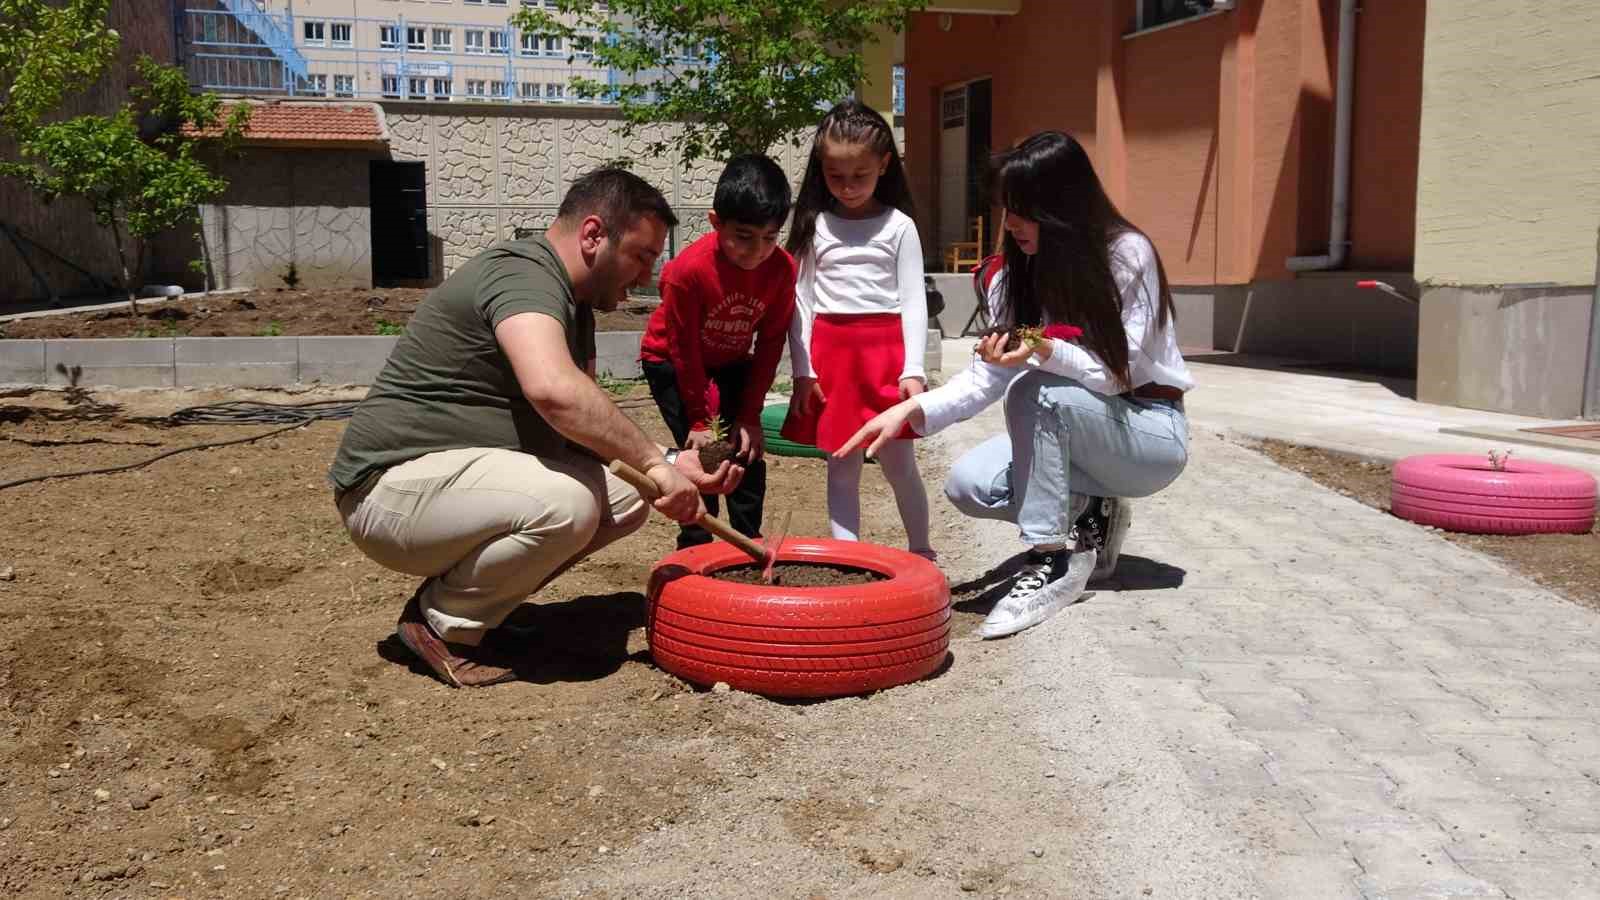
[1103, 527]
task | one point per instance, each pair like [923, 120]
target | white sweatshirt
[861, 266]
[1152, 347]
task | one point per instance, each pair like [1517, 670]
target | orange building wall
[1169, 100]
[1215, 135]
[1041, 54]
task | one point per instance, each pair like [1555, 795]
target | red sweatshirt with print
[713, 313]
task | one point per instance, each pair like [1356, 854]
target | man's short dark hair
[618, 197]
[753, 191]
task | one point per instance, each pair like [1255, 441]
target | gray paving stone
[116, 362]
[1266, 710]
[1508, 755]
[1413, 863]
[1421, 779]
[1309, 750]
[21, 361]
[1375, 732]
[1319, 876]
[239, 362]
[1541, 880]
[1500, 831]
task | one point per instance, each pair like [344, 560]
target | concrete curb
[260, 361]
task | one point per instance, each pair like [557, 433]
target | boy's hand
[910, 387]
[807, 397]
[752, 442]
[698, 440]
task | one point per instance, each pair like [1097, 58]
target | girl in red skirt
[861, 318]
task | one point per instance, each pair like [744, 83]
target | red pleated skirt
[858, 360]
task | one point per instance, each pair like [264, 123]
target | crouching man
[475, 462]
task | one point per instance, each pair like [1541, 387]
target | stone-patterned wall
[309, 208]
[493, 168]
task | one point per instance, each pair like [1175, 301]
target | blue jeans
[1063, 439]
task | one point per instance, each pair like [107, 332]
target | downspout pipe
[1343, 99]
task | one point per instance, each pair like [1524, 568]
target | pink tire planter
[1464, 493]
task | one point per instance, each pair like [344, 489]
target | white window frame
[416, 88]
[445, 46]
[448, 87]
[316, 85]
[501, 37]
[420, 45]
[467, 44]
[307, 27]
[528, 43]
[333, 34]
[553, 45]
[1142, 14]
[529, 90]
[554, 90]
[477, 89]
[390, 86]
[389, 36]
[344, 85]
[500, 90]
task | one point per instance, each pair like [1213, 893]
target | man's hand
[723, 480]
[910, 387]
[680, 498]
[698, 440]
[807, 397]
[752, 442]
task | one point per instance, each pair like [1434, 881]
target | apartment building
[443, 50]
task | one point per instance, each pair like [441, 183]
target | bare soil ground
[260, 313]
[200, 695]
[1568, 564]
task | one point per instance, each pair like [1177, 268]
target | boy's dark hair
[618, 197]
[752, 191]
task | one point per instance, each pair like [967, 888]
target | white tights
[899, 463]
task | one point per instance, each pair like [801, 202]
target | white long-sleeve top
[861, 266]
[1152, 346]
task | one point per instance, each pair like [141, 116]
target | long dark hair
[849, 122]
[1048, 178]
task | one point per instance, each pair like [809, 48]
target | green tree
[49, 48]
[739, 75]
[138, 184]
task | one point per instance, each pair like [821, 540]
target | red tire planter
[799, 641]
[1465, 493]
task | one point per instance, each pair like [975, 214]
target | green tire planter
[777, 445]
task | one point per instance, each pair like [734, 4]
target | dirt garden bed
[200, 694]
[1568, 564]
[268, 313]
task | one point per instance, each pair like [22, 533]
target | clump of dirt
[1568, 564]
[239, 576]
[801, 575]
[1013, 338]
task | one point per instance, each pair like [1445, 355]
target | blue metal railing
[274, 33]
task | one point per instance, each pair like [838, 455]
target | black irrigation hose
[237, 412]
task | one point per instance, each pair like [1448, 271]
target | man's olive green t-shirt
[447, 385]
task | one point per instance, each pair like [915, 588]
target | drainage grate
[1582, 432]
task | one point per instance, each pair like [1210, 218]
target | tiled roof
[300, 122]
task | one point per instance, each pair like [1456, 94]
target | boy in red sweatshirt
[726, 302]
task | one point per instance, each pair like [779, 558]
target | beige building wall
[1509, 180]
[450, 46]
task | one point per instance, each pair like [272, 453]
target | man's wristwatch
[671, 456]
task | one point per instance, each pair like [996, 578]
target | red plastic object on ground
[1457, 492]
[799, 641]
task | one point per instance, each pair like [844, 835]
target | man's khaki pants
[488, 527]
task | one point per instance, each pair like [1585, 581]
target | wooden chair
[965, 253]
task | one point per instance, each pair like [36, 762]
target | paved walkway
[1369, 710]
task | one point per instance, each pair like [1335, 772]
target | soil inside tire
[800, 575]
